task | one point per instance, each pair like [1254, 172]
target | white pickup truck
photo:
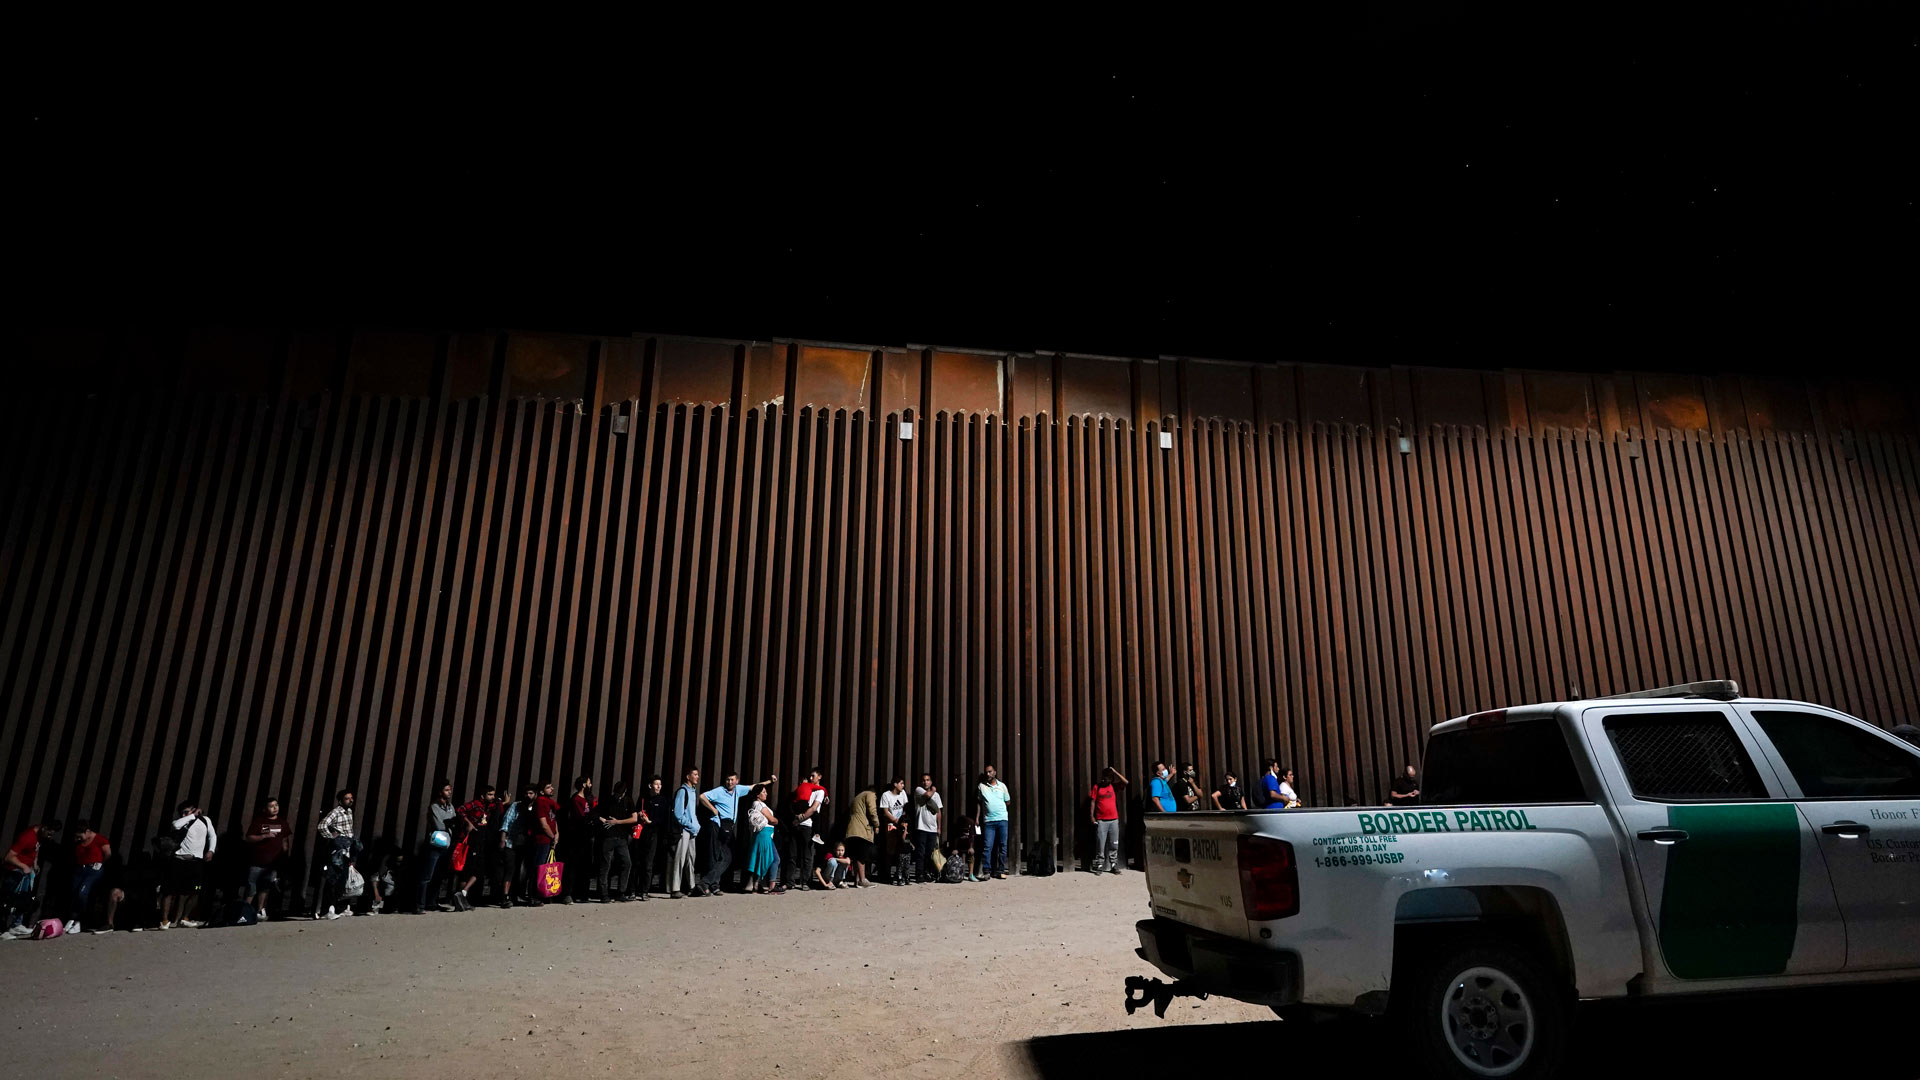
[1672, 841]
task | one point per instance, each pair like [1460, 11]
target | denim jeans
[993, 857]
[430, 857]
[84, 879]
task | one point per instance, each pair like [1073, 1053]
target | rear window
[1683, 757]
[1515, 762]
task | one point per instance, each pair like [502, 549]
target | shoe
[18, 933]
[192, 924]
[674, 896]
[566, 899]
[163, 926]
[1115, 870]
[332, 913]
[506, 905]
[72, 927]
[643, 897]
[360, 913]
[102, 930]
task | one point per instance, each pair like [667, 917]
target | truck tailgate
[1193, 874]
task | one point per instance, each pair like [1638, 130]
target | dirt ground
[1019, 978]
[924, 981]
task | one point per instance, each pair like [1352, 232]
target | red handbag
[459, 855]
[549, 877]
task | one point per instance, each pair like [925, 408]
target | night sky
[1430, 184]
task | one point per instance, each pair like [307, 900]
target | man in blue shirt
[722, 803]
[1159, 790]
[686, 812]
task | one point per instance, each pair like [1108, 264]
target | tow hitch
[1158, 993]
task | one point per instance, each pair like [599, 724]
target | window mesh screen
[1683, 756]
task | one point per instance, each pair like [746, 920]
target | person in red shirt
[583, 835]
[21, 863]
[482, 816]
[544, 833]
[809, 800]
[1104, 800]
[266, 844]
[90, 854]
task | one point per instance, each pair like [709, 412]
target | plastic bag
[354, 886]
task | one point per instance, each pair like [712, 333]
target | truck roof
[1719, 690]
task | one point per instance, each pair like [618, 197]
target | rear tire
[1478, 1008]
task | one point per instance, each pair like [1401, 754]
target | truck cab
[1671, 841]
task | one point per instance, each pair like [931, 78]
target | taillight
[1269, 879]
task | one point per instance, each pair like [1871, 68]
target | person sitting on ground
[763, 866]
[831, 873]
[266, 845]
[1227, 796]
[186, 873]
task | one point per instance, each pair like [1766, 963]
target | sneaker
[674, 896]
[1115, 870]
[102, 930]
[72, 927]
[17, 933]
[192, 924]
[332, 913]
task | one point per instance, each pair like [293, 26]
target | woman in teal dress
[762, 863]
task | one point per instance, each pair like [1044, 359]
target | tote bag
[550, 876]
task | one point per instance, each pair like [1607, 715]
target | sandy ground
[1017, 978]
[936, 980]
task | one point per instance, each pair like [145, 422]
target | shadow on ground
[1860, 1032]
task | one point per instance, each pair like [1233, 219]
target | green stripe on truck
[1731, 901]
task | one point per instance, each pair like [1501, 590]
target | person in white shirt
[893, 839]
[186, 870]
[927, 807]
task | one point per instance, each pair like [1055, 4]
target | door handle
[1846, 830]
[1664, 837]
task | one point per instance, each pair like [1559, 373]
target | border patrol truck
[1670, 841]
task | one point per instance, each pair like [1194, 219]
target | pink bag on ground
[48, 928]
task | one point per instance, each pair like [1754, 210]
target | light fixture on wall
[906, 431]
[1166, 440]
[1406, 445]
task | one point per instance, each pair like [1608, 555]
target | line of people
[539, 848]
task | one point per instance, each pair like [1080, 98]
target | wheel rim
[1487, 1021]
